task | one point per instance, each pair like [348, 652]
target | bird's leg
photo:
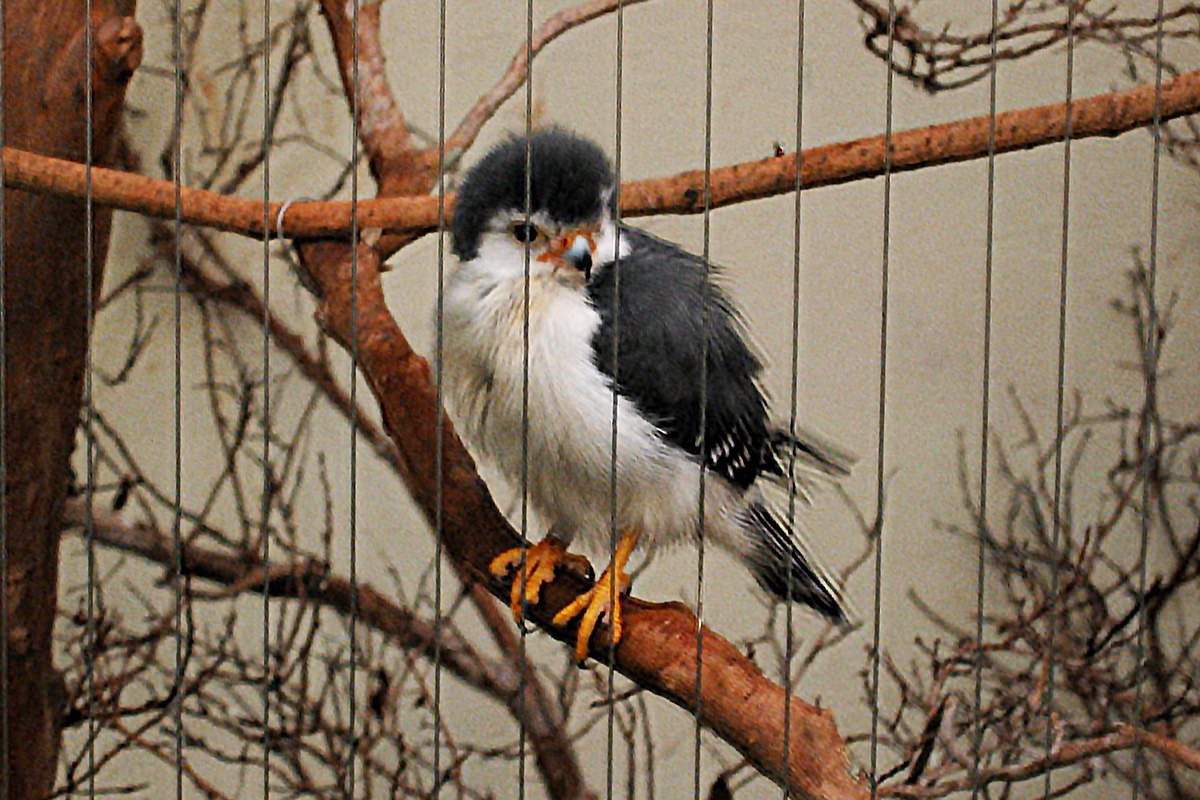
[595, 601]
[541, 560]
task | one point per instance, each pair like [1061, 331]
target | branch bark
[1106, 115]
[46, 304]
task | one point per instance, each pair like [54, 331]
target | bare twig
[518, 70]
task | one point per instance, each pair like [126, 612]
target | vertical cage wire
[439, 378]
[89, 256]
[268, 481]
[1060, 382]
[703, 379]
[614, 588]
[985, 399]
[1149, 433]
[177, 375]
[352, 678]
[881, 425]
[523, 667]
[789, 644]
[5, 794]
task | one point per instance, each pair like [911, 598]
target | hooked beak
[579, 255]
[573, 250]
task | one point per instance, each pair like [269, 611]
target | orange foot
[540, 562]
[596, 601]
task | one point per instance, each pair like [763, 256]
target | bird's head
[568, 221]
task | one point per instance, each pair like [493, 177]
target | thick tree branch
[1102, 115]
[52, 276]
[398, 167]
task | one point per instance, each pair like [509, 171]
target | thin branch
[518, 70]
[1102, 115]
[307, 579]
[310, 580]
[1063, 755]
[936, 58]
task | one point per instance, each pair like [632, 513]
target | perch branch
[1102, 115]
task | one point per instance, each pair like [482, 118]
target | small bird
[611, 308]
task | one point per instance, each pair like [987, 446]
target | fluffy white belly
[567, 444]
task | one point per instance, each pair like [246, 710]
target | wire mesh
[523, 665]
[1149, 432]
[439, 377]
[611, 655]
[352, 379]
[89, 454]
[789, 645]
[268, 480]
[180, 666]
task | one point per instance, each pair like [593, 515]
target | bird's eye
[524, 232]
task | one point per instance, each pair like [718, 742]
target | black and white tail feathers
[777, 558]
[780, 564]
[813, 454]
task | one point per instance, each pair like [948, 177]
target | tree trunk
[46, 62]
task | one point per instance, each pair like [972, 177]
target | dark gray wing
[663, 327]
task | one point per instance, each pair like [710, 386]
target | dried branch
[1124, 737]
[1054, 662]
[936, 58]
[518, 70]
[1102, 115]
[308, 579]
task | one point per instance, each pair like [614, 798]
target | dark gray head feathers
[569, 179]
